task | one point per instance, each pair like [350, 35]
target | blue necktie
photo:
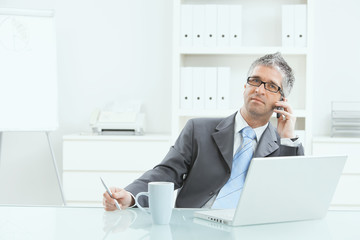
[229, 194]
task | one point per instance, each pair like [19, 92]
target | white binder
[186, 88]
[300, 25]
[288, 26]
[210, 87]
[198, 88]
[235, 25]
[210, 25]
[223, 87]
[223, 26]
[186, 25]
[198, 25]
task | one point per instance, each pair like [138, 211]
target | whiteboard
[28, 71]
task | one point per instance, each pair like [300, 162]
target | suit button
[211, 193]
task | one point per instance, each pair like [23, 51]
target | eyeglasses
[271, 87]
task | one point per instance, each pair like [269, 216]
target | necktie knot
[248, 132]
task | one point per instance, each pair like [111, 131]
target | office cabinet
[254, 29]
[347, 194]
[117, 159]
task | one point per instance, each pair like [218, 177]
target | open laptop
[281, 189]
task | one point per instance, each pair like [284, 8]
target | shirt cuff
[291, 142]
[134, 201]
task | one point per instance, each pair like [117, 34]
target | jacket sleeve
[173, 168]
[292, 151]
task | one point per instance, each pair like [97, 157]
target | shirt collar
[240, 123]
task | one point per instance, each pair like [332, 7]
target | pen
[109, 192]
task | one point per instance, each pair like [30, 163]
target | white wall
[107, 51]
[336, 58]
[100, 58]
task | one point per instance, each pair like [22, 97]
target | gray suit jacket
[200, 161]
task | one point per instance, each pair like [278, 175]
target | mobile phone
[279, 108]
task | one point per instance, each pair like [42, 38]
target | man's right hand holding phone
[286, 122]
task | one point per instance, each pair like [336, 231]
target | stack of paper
[345, 119]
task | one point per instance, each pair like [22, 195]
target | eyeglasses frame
[279, 88]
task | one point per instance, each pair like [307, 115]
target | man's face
[257, 100]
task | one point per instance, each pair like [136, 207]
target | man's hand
[123, 197]
[286, 122]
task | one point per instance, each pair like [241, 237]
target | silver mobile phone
[279, 108]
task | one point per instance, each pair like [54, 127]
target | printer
[119, 119]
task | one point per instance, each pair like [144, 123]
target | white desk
[94, 223]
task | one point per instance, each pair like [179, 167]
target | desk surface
[20, 222]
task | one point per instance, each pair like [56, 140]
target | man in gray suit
[200, 162]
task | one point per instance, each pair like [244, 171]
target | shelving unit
[261, 34]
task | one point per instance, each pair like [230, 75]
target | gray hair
[277, 61]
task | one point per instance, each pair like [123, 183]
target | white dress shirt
[240, 123]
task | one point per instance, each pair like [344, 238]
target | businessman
[209, 160]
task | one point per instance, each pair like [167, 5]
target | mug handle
[138, 204]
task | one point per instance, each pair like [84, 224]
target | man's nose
[261, 88]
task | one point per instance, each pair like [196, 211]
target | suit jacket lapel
[267, 143]
[224, 138]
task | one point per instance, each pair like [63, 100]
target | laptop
[282, 189]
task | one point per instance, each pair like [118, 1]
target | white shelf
[94, 136]
[300, 113]
[206, 113]
[328, 139]
[242, 51]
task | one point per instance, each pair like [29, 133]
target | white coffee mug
[160, 196]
